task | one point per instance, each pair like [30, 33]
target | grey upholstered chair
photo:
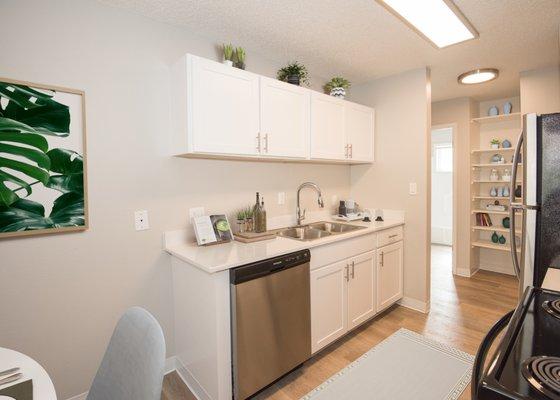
[132, 368]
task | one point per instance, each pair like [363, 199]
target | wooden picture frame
[46, 166]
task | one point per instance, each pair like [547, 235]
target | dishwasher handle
[269, 266]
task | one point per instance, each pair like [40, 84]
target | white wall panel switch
[141, 222]
[196, 212]
[412, 188]
[281, 198]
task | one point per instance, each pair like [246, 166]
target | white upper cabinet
[328, 138]
[284, 124]
[359, 129]
[223, 112]
[225, 109]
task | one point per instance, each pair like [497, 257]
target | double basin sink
[317, 230]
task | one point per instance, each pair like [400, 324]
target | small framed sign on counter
[213, 229]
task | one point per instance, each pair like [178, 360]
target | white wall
[442, 192]
[402, 155]
[540, 90]
[61, 295]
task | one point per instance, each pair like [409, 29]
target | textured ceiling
[360, 40]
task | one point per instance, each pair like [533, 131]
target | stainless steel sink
[317, 230]
[303, 233]
[335, 227]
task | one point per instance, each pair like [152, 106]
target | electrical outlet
[141, 222]
[196, 212]
[281, 198]
[412, 188]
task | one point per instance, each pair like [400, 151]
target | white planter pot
[229, 63]
[339, 92]
[495, 146]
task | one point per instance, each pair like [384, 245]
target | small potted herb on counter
[294, 73]
[337, 87]
[228, 54]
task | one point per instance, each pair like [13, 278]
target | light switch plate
[281, 198]
[196, 212]
[141, 221]
[412, 188]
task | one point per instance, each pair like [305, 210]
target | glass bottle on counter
[259, 216]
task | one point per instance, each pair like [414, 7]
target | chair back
[133, 365]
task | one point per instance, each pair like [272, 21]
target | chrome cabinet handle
[266, 143]
[346, 151]
[392, 236]
[513, 207]
[259, 143]
[347, 274]
[353, 269]
[351, 151]
[382, 258]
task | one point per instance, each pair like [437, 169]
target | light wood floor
[462, 311]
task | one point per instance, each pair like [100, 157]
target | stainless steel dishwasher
[271, 320]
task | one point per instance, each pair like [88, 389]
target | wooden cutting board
[250, 237]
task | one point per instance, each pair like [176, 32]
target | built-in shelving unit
[485, 253]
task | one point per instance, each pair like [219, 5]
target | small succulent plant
[335, 82]
[240, 56]
[294, 69]
[495, 141]
[228, 52]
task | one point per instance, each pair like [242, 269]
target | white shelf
[492, 229]
[500, 150]
[493, 198]
[492, 212]
[498, 118]
[493, 165]
[495, 182]
[493, 246]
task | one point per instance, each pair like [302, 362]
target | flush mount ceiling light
[438, 21]
[478, 76]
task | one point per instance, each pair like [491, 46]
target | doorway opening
[442, 197]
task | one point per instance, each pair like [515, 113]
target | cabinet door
[359, 122]
[361, 289]
[389, 275]
[225, 109]
[328, 304]
[328, 139]
[285, 111]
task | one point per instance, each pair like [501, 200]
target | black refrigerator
[538, 151]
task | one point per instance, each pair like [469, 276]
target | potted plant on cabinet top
[240, 58]
[337, 87]
[228, 54]
[294, 73]
[495, 143]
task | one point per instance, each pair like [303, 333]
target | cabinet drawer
[333, 252]
[389, 236]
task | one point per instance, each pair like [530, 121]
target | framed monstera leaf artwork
[42, 159]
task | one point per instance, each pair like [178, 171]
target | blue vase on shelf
[493, 111]
[506, 144]
[507, 108]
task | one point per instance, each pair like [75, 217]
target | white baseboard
[170, 365]
[192, 383]
[500, 269]
[464, 272]
[416, 305]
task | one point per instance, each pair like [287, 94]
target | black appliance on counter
[526, 363]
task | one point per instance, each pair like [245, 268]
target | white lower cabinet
[328, 304]
[389, 275]
[361, 289]
[342, 297]
[347, 293]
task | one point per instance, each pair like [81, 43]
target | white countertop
[552, 279]
[229, 255]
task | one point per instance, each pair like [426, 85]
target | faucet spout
[300, 215]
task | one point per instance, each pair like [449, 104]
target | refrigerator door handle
[515, 206]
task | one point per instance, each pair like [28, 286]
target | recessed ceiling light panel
[478, 76]
[438, 21]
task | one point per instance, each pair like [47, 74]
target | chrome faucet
[299, 214]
